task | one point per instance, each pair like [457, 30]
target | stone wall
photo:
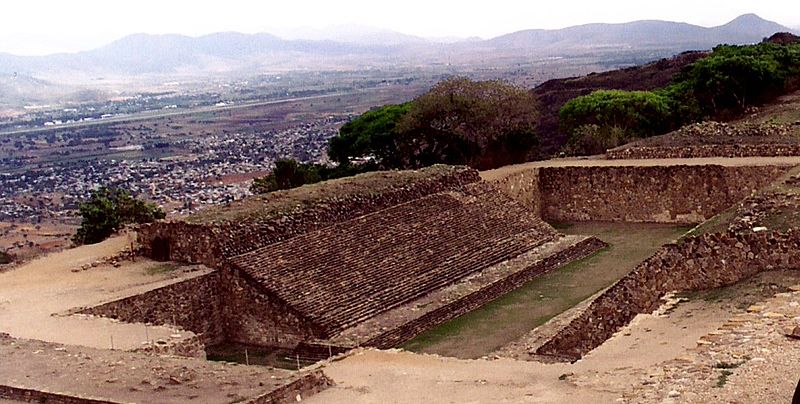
[37, 396]
[396, 337]
[523, 187]
[255, 316]
[209, 243]
[296, 391]
[709, 150]
[184, 242]
[653, 194]
[193, 347]
[352, 271]
[193, 305]
[697, 263]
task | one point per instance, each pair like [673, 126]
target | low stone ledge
[37, 396]
[698, 151]
[296, 391]
[700, 262]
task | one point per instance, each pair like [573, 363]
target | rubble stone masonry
[696, 263]
[193, 305]
[255, 316]
[651, 194]
[709, 150]
[211, 242]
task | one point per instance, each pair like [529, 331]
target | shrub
[289, 173]
[108, 210]
[595, 139]
[607, 116]
[483, 124]
[719, 86]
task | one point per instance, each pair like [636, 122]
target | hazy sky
[44, 26]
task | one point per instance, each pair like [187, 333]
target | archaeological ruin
[372, 260]
[377, 259]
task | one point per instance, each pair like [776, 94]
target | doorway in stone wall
[159, 249]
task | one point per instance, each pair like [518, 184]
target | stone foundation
[701, 262]
[652, 194]
[254, 316]
[208, 241]
[193, 305]
[37, 396]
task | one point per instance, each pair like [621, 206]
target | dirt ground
[637, 365]
[35, 297]
[25, 241]
[131, 377]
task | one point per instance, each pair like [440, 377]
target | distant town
[181, 183]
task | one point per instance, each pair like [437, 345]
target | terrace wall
[304, 387]
[255, 316]
[711, 150]
[523, 187]
[37, 396]
[652, 194]
[193, 305]
[701, 262]
[210, 243]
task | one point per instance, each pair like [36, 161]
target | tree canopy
[108, 210]
[483, 124]
[720, 86]
[370, 135]
[290, 173]
[735, 77]
[635, 113]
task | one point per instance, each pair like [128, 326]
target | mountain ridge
[233, 51]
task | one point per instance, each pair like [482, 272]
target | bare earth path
[675, 355]
[35, 297]
[491, 175]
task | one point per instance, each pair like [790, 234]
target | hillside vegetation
[488, 124]
[482, 124]
[719, 86]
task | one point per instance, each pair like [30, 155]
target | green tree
[483, 124]
[735, 77]
[594, 139]
[288, 173]
[370, 135]
[719, 86]
[108, 210]
[637, 113]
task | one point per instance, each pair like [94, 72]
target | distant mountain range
[748, 28]
[356, 46]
